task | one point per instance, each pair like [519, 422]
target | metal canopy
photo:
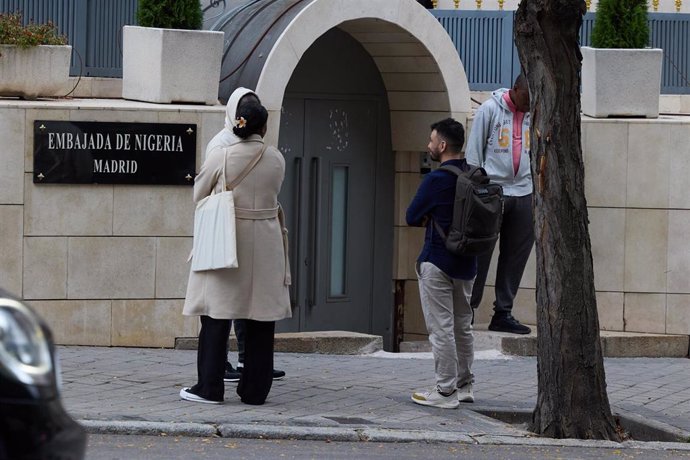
[251, 30]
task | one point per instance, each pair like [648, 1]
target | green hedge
[621, 24]
[170, 14]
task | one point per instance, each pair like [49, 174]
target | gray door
[330, 149]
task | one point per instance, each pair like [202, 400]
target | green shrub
[13, 32]
[621, 24]
[170, 14]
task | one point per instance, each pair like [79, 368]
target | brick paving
[132, 384]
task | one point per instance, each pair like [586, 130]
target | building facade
[351, 88]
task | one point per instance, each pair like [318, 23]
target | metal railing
[93, 28]
[484, 40]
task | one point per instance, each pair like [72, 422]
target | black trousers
[210, 358]
[241, 334]
[257, 375]
[515, 244]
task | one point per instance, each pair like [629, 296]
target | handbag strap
[244, 173]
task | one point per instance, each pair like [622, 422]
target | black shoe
[232, 375]
[278, 375]
[506, 323]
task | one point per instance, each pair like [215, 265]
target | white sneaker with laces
[435, 398]
[465, 393]
[186, 395]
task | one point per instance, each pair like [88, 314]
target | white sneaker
[434, 398]
[185, 394]
[465, 393]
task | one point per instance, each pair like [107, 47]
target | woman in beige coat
[225, 138]
[258, 289]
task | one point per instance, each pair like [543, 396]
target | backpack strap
[454, 169]
[439, 230]
[477, 174]
[246, 170]
[457, 171]
[474, 174]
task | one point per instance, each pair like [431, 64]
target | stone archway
[422, 71]
[424, 81]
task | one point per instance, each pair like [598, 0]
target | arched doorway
[338, 192]
[269, 47]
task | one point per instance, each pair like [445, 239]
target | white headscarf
[226, 137]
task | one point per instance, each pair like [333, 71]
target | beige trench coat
[258, 288]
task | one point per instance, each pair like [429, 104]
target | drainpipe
[399, 314]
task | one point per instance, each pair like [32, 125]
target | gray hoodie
[487, 148]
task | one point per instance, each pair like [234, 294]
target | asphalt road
[124, 447]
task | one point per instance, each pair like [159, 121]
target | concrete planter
[35, 71]
[621, 82]
[168, 65]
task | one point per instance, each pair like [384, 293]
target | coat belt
[272, 213]
[256, 214]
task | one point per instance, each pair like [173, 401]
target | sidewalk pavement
[365, 397]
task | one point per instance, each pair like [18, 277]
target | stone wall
[103, 264]
[636, 185]
[636, 175]
[408, 243]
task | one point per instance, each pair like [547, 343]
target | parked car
[33, 422]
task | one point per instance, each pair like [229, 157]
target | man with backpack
[445, 278]
[499, 142]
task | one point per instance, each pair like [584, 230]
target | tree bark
[572, 400]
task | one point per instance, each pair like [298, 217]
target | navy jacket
[434, 199]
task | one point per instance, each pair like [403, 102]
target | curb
[336, 434]
[322, 342]
[642, 429]
[142, 428]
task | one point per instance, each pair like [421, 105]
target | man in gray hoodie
[499, 142]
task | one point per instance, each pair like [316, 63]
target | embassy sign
[67, 152]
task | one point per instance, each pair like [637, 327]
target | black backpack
[477, 213]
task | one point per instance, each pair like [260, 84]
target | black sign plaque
[80, 152]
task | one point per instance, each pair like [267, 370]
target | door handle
[314, 216]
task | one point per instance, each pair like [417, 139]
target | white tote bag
[215, 238]
[215, 244]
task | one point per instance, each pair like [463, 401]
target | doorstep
[614, 344]
[326, 342]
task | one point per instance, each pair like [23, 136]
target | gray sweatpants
[448, 317]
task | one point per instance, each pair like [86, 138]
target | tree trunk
[572, 400]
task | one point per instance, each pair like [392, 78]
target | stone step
[325, 342]
[614, 344]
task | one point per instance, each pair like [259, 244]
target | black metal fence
[93, 27]
[483, 39]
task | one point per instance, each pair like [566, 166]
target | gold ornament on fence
[434, 3]
[679, 3]
[500, 4]
[655, 5]
[457, 4]
[479, 4]
[589, 4]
